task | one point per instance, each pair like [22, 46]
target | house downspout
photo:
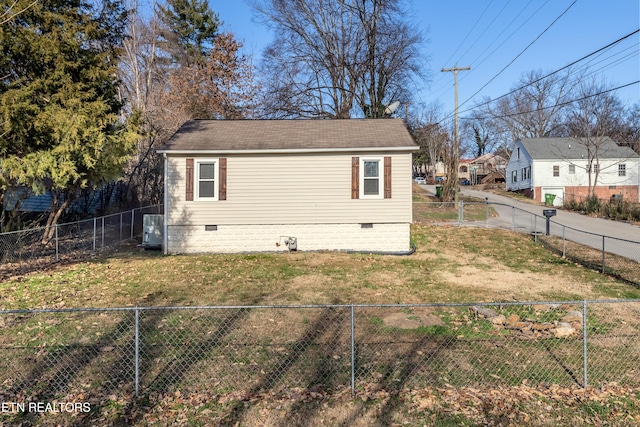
[531, 180]
[165, 226]
[638, 177]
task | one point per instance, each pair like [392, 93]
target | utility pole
[456, 159]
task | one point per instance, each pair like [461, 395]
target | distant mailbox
[548, 213]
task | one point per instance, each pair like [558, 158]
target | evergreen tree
[58, 98]
[191, 29]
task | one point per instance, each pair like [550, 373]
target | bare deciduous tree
[171, 75]
[336, 58]
[595, 118]
[536, 107]
[437, 145]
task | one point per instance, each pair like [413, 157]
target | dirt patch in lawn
[412, 320]
[512, 285]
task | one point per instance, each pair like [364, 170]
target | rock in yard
[520, 326]
[564, 329]
[483, 312]
[542, 326]
[498, 320]
[572, 316]
[545, 307]
[512, 319]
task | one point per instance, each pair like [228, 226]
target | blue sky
[488, 35]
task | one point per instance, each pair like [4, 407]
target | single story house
[274, 185]
[564, 167]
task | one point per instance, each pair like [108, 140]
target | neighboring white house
[560, 166]
[274, 185]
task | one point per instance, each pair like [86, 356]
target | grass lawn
[451, 264]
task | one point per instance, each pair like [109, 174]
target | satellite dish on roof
[390, 109]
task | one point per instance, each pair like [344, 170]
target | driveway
[621, 238]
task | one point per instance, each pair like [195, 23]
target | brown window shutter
[355, 177]
[222, 189]
[189, 181]
[387, 177]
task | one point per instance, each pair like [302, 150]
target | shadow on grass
[329, 330]
[156, 373]
[58, 368]
[414, 358]
[166, 361]
[592, 259]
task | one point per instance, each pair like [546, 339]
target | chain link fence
[606, 254]
[120, 353]
[27, 250]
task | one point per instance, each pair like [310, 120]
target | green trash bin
[439, 190]
[549, 198]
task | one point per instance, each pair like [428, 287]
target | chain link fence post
[584, 344]
[137, 351]
[94, 233]
[486, 208]
[57, 252]
[102, 235]
[133, 213]
[353, 352]
[603, 255]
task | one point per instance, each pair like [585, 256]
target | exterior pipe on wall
[165, 226]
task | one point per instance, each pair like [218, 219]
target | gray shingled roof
[574, 148]
[256, 135]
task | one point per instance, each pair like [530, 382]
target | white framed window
[622, 169]
[206, 179]
[556, 171]
[371, 178]
[514, 176]
[572, 169]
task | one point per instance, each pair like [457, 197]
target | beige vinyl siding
[291, 189]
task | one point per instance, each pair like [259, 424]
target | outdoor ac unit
[152, 231]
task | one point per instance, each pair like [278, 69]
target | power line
[437, 92]
[553, 72]
[507, 38]
[470, 31]
[617, 61]
[489, 26]
[522, 52]
[467, 36]
[553, 106]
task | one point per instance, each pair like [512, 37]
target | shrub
[592, 204]
[572, 204]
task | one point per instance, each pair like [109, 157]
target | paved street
[576, 227]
